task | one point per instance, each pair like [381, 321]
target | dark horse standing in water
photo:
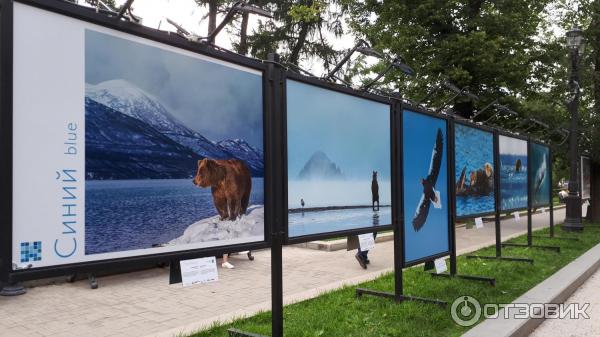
[375, 190]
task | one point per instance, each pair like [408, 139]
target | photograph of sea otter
[339, 161]
[540, 179]
[425, 192]
[474, 170]
[513, 173]
[174, 148]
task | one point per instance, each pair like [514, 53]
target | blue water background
[123, 215]
[473, 149]
[419, 135]
[542, 196]
[337, 220]
[513, 185]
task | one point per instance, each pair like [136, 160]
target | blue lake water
[132, 214]
[513, 185]
[466, 205]
[336, 220]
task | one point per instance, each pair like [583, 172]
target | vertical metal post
[398, 210]
[529, 194]
[550, 158]
[275, 101]
[452, 196]
[497, 194]
[573, 218]
[6, 144]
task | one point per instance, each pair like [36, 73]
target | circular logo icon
[465, 310]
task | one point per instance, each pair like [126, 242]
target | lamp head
[399, 64]
[575, 39]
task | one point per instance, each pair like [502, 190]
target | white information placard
[366, 242]
[440, 265]
[517, 216]
[478, 223]
[197, 271]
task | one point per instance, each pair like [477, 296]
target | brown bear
[230, 183]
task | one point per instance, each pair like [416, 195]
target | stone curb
[555, 289]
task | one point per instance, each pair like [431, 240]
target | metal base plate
[501, 258]
[12, 290]
[239, 333]
[401, 298]
[491, 281]
[524, 245]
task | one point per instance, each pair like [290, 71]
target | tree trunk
[243, 47]
[212, 15]
[295, 55]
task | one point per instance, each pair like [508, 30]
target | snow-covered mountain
[240, 149]
[126, 98]
[118, 146]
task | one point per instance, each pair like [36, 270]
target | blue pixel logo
[31, 251]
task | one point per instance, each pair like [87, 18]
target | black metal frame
[529, 243]
[88, 15]
[6, 78]
[398, 217]
[449, 164]
[482, 129]
[289, 75]
[497, 196]
[452, 209]
[526, 139]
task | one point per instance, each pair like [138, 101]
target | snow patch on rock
[213, 229]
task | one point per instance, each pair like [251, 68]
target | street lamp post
[575, 43]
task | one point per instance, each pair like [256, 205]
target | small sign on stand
[517, 216]
[366, 242]
[440, 265]
[196, 271]
[479, 223]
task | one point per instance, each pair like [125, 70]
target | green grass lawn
[340, 313]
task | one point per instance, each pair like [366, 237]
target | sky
[512, 146]
[218, 101]
[353, 132]
[419, 137]
[193, 18]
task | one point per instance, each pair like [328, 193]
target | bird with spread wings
[428, 183]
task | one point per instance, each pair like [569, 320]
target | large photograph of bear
[474, 171]
[339, 161]
[174, 148]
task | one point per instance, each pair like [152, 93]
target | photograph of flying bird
[428, 183]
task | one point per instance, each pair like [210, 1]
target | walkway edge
[555, 289]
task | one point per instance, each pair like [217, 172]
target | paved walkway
[143, 304]
[587, 293]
